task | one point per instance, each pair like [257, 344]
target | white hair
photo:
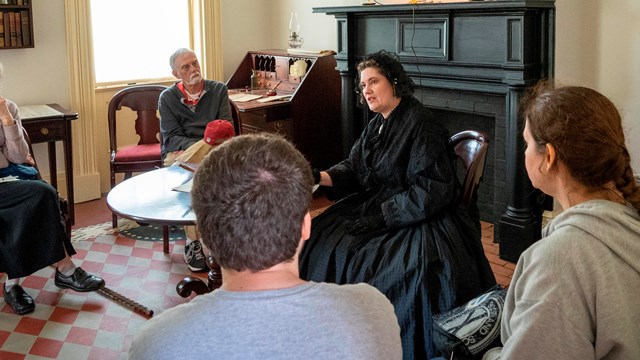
[174, 56]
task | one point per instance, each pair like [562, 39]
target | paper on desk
[274, 98]
[243, 97]
[186, 187]
[37, 111]
[305, 51]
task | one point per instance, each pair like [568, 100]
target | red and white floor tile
[72, 325]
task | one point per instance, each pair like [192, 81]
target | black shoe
[194, 257]
[80, 281]
[19, 300]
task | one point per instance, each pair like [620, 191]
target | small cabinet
[16, 25]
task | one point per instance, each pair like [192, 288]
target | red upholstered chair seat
[135, 153]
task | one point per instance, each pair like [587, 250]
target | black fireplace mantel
[497, 48]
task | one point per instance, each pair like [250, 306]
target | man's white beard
[194, 80]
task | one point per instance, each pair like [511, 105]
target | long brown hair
[586, 130]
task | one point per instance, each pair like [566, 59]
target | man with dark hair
[251, 197]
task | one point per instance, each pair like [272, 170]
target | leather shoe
[80, 281]
[19, 300]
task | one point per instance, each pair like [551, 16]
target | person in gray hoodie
[575, 294]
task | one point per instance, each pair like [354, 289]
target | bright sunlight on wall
[133, 39]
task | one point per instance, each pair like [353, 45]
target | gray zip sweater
[181, 125]
[575, 294]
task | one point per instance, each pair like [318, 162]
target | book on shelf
[1, 31]
[26, 28]
[7, 30]
[12, 28]
[18, 21]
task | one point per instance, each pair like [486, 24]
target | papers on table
[37, 112]
[243, 97]
[274, 98]
[186, 187]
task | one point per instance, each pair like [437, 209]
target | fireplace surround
[472, 62]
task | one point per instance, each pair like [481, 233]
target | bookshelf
[16, 25]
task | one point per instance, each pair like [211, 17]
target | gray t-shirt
[309, 321]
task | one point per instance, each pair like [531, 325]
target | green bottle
[254, 80]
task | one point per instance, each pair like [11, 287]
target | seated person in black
[398, 225]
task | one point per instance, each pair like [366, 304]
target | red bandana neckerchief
[187, 95]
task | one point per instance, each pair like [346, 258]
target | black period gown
[429, 258]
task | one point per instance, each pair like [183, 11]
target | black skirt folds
[32, 235]
[423, 269]
[429, 257]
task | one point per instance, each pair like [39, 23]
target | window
[133, 39]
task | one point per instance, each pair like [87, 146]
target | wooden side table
[48, 124]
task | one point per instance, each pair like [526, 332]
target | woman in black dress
[398, 225]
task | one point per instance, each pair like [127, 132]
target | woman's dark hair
[391, 68]
[586, 130]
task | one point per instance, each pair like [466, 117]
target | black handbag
[468, 331]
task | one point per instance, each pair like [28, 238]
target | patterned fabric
[471, 329]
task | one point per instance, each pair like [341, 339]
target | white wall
[618, 68]
[246, 25]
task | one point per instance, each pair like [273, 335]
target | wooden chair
[471, 148]
[64, 204]
[235, 116]
[144, 156]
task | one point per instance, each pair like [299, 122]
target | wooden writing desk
[48, 124]
[310, 118]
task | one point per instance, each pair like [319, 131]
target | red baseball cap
[218, 130]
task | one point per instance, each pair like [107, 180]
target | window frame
[192, 11]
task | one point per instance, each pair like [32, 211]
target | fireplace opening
[459, 110]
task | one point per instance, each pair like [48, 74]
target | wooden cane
[131, 304]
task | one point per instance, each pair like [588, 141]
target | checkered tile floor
[72, 325]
